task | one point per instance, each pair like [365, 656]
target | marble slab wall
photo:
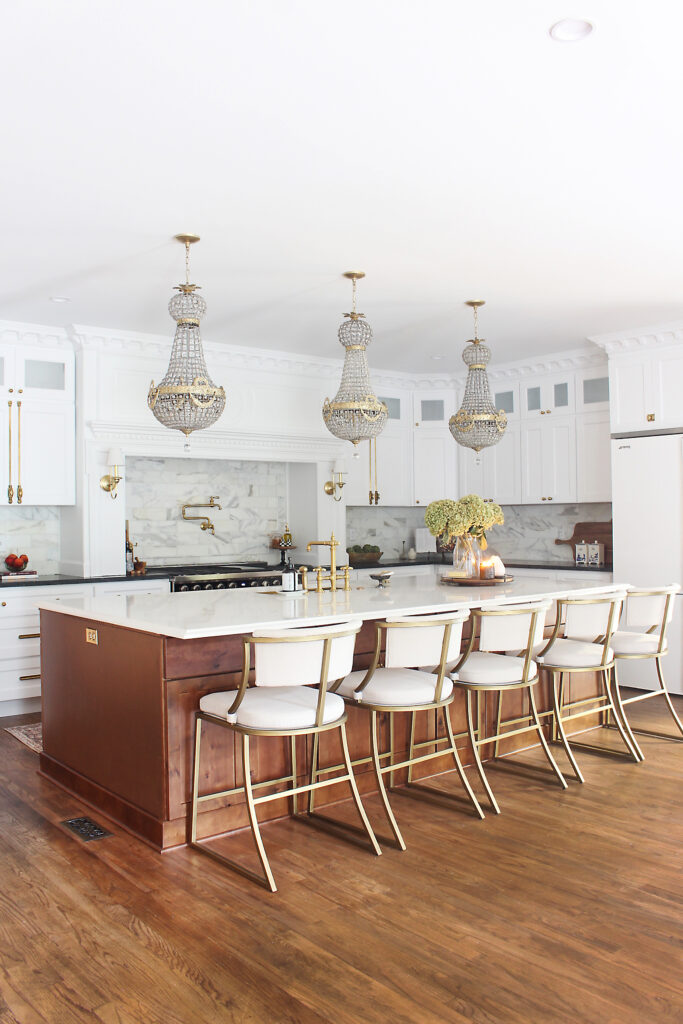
[33, 531]
[528, 534]
[253, 496]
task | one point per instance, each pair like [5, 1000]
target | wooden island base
[118, 727]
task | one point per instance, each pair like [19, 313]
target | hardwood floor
[565, 908]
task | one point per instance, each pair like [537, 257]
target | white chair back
[505, 627]
[294, 656]
[645, 608]
[588, 618]
[417, 640]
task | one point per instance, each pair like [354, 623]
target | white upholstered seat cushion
[395, 687]
[635, 643]
[574, 654]
[493, 670]
[273, 707]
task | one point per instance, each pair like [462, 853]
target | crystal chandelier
[355, 413]
[477, 424]
[186, 399]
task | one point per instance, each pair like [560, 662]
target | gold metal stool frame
[532, 720]
[266, 877]
[436, 705]
[662, 691]
[602, 702]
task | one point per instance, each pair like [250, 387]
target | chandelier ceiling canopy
[186, 399]
[355, 413]
[477, 424]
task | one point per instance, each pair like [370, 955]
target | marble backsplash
[253, 496]
[33, 531]
[528, 534]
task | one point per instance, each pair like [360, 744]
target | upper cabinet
[496, 473]
[646, 389]
[549, 460]
[547, 396]
[37, 426]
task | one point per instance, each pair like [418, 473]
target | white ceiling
[451, 150]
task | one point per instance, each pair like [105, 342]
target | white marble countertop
[207, 613]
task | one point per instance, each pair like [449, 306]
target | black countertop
[165, 572]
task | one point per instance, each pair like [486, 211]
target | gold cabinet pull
[10, 489]
[28, 636]
[20, 489]
[23, 679]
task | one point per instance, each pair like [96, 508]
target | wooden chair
[398, 686]
[646, 616]
[509, 633]
[290, 698]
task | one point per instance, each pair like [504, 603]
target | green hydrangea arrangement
[447, 519]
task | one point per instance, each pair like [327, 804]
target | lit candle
[487, 570]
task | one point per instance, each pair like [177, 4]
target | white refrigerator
[647, 508]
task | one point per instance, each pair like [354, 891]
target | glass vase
[467, 556]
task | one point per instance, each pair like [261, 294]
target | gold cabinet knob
[417, 501]
[548, 411]
[650, 417]
[542, 412]
[4, 604]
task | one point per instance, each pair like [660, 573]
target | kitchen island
[122, 677]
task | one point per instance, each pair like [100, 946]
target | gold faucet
[205, 521]
[335, 575]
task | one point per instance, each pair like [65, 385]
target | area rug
[30, 735]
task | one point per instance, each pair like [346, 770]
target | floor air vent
[86, 829]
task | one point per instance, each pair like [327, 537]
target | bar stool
[508, 635]
[399, 687]
[587, 625]
[648, 614]
[290, 698]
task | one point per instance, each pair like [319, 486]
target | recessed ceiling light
[59, 298]
[436, 358]
[570, 30]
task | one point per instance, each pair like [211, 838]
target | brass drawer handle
[28, 636]
[23, 679]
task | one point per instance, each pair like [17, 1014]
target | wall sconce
[336, 483]
[110, 481]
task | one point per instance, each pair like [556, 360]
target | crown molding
[13, 332]
[640, 338]
[153, 442]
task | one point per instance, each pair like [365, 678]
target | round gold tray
[464, 581]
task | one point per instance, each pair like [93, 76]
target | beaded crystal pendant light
[186, 399]
[477, 424]
[355, 413]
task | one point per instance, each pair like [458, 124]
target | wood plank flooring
[568, 907]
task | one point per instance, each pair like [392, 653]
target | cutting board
[602, 532]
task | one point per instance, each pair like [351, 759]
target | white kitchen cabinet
[433, 409]
[20, 627]
[20, 636]
[498, 476]
[592, 390]
[668, 386]
[549, 460]
[506, 397]
[434, 466]
[548, 396]
[37, 426]
[434, 450]
[137, 588]
[394, 470]
[593, 457]
[646, 390]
